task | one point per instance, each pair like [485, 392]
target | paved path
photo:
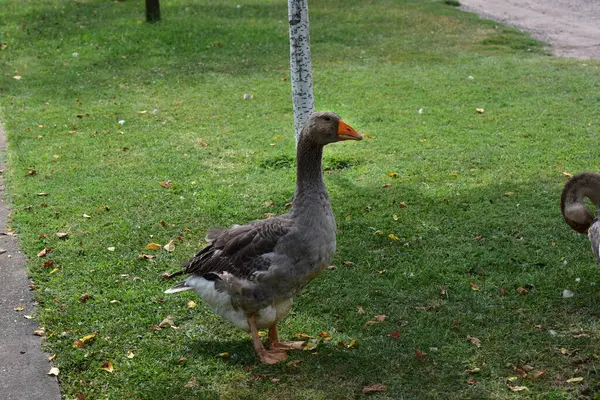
[23, 366]
[572, 27]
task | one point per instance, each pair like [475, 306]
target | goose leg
[272, 356]
[274, 342]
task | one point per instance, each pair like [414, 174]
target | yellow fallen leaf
[308, 346]
[518, 388]
[575, 380]
[52, 357]
[262, 333]
[395, 217]
[169, 246]
[347, 218]
[87, 338]
[130, 354]
[191, 304]
[393, 175]
[474, 286]
[107, 366]
[353, 344]
[55, 270]
[153, 246]
[393, 237]
[480, 110]
[19, 307]
[142, 112]
[223, 355]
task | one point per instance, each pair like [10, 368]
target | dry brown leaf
[521, 290]
[191, 384]
[380, 318]
[269, 203]
[61, 235]
[568, 175]
[303, 336]
[387, 185]
[474, 340]
[44, 252]
[107, 366]
[537, 374]
[324, 335]
[201, 142]
[402, 204]
[170, 246]
[181, 360]
[39, 332]
[474, 286]
[145, 256]
[331, 267]
[168, 321]
[378, 387]
[153, 246]
[31, 172]
[84, 297]
[395, 334]
[420, 355]
[472, 381]
[473, 371]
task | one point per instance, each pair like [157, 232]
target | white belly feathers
[220, 304]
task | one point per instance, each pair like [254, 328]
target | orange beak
[346, 132]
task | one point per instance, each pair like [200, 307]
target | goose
[249, 274]
[576, 213]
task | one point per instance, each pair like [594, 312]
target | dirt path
[23, 365]
[572, 27]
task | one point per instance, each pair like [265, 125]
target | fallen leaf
[474, 340]
[166, 184]
[393, 175]
[181, 360]
[393, 237]
[19, 307]
[55, 270]
[191, 384]
[145, 256]
[269, 203]
[17, 77]
[87, 216]
[402, 204]
[324, 335]
[521, 372]
[303, 336]
[39, 332]
[420, 355]
[269, 215]
[107, 366]
[223, 355]
[380, 318]
[44, 252]
[518, 388]
[395, 217]
[52, 357]
[568, 175]
[169, 246]
[348, 263]
[508, 194]
[54, 371]
[521, 290]
[168, 321]
[378, 387]
[387, 185]
[472, 381]
[353, 344]
[575, 380]
[130, 354]
[31, 172]
[395, 334]
[308, 346]
[112, 248]
[474, 286]
[191, 304]
[537, 374]
[84, 297]
[61, 235]
[480, 110]
[360, 310]
[153, 246]
[331, 267]
[473, 371]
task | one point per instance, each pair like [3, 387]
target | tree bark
[152, 10]
[300, 63]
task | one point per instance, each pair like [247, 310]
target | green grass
[480, 193]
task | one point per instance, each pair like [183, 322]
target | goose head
[328, 127]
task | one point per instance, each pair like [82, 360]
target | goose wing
[241, 250]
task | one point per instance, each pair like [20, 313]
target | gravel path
[572, 27]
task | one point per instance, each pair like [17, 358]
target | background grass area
[476, 195]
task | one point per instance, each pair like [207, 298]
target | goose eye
[327, 118]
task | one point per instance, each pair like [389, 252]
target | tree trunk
[300, 64]
[152, 10]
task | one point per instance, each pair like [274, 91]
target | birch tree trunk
[300, 64]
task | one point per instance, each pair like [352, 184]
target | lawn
[123, 134]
